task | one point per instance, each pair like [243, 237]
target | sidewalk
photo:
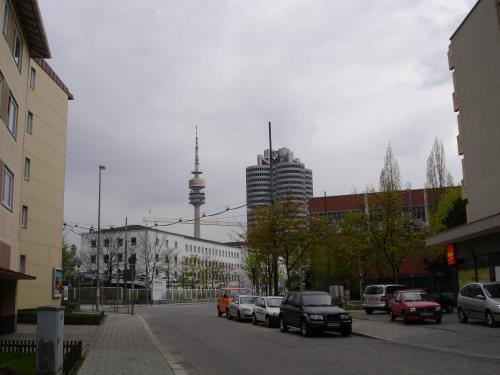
[123, 345]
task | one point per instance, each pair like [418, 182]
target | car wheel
[393, 317]
[219, 313]
[462, 318]
[405, 319]
[438, 321]
[346, 331]
[368, 311]
[268, 322]
[304, 329]
[283, 326]
[228, 315]
[490, 321]
[254, 319]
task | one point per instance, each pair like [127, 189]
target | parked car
[378, 297]
[479, 301]
[241, 307]
[414, 305]
[446, 300]
[267, 310]
[313, 312]
[226, 297]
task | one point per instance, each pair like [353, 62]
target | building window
[157, 257]
[32, 78]
[7, 188]
[24, 217]
[120, 257]
[17, 47]
[175, 259]
[106, 242]
[29, 123]
[106, 258]
[157, 242]
[93, 243]
[120, 242]
[166, 243]
[92, 259]
[22, 263]
[6, 11]
[175, 244]
[133, 241]
[186, 247]
[27, 168]
[12, 116]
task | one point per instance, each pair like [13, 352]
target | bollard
[49, 338]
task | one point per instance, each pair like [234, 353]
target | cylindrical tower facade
[196, 193]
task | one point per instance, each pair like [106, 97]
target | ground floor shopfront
[473, 251]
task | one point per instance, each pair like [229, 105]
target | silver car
[241, 308]
[479, 301]
[378, 297]
[267, 310]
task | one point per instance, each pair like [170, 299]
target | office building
[474, 54]
[161, 255]
[33, 128]
[292, 181]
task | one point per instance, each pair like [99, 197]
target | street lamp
[101, 168]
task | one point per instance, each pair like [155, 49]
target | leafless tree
[437, 173]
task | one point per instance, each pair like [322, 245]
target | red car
[414, 305]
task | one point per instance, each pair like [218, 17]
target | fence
[72, 350]
[121, 296]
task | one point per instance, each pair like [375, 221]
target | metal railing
[120, 296]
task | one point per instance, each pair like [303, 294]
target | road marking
[168, 357]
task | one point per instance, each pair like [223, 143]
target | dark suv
[313, 312]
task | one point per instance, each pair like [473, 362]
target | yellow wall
[43, 193]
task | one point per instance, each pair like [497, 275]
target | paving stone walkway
[123, 346]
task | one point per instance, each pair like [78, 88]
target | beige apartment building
[33, 127]
[474, 58]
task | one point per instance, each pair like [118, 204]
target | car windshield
[274, 302]
[319, 299]
[247, 300]
[415, 296]
[493, 290]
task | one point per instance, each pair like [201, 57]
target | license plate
[333, 324]
[426, 314]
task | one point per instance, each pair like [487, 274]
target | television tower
[196, 194]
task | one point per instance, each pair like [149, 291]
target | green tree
[450, 211]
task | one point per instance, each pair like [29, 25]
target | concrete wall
[475, 50]
[43, 192]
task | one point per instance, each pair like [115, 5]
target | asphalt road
[206, 344]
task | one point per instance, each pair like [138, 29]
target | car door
[395, 305]
[259, 309]
[296, 310]
[472, 291]
[479, 302]
[288, 308]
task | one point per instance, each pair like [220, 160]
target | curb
[427, 347]
[168, 357]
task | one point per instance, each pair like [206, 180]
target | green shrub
[70, 318]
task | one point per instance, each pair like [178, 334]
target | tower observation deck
[196, 193]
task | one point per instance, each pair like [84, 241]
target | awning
[6, 274]
[475, 229]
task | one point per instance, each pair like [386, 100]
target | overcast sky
[338, 79]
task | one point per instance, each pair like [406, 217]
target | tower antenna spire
[196, 186]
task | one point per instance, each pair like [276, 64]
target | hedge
[70, 318]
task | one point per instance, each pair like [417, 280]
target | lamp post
[101, 168]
